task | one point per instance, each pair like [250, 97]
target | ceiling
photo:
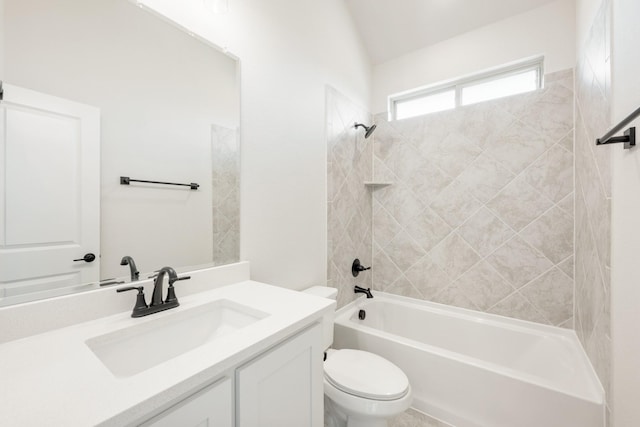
[390, 28]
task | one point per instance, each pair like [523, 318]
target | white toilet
[361, 389]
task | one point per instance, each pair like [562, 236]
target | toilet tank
[327, 320]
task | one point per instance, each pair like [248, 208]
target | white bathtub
[472, 369]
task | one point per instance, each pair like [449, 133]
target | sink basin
[129, 351]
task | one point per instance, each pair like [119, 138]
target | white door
[49, 194]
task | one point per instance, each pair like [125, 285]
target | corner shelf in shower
[374, 185]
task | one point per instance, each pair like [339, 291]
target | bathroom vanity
[244, 354]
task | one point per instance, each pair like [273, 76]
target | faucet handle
[171, 292]
[141, 303]
[172, 281]
[140, 289]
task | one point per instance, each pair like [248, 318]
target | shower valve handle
[357, 267]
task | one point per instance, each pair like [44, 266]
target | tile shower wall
[480, 210]
[349, 202]
[593, 197]
[225, 195]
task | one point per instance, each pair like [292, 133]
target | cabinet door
[211, 407]
[283, 387]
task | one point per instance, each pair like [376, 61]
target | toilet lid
[366, 375]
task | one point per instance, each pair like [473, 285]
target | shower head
[368, 129]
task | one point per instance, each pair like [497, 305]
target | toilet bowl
[361, 389]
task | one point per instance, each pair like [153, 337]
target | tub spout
[358, 290]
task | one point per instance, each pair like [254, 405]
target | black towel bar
[125, 180]
[629, 138]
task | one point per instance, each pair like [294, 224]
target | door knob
[87, 258]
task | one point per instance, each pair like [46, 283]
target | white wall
[625, 285]
[1, 38]
[289, 50]
[159, 92]
[548, 30]
[586, 11]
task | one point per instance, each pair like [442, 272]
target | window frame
[457, 85]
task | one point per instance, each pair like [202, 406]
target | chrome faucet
[157, 304]
[127, 260]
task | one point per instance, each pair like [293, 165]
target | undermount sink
[129, 351]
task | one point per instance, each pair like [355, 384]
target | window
[525, 76]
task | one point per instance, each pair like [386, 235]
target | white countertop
[54, 379]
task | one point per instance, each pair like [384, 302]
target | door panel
[284, 386]
[42, 187]
[49, 192]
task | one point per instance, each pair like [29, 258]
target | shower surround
[593, 200]
[349, 217]
[225, 195]
[479, 213]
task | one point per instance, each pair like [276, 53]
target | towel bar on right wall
[629, 138]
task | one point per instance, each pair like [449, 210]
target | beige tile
[343, 207]
[385, 227]
[404, 251]
[551, 234]
[381, 172]
[455, 204]
[454, 256]
[413, 418]
[566, 204]
[552, 114]
[518, 262]
[483, 286]
[428, 181]
[454, 154]
[384, 270]
[403, 287]
[483, 122]
[552, 295]
[412, 127]
[567, 324]
[401, 203]
[428, 229]
[427, 277]
[485, 177]
[516, 306]
[404, 160]
[485, 232]
[518, 147]
[452, 295]
[344, 253]
[559, 75]
[567, 142]
[387, 139]
[335, 227]
[552, 173]
[567, 266]
[359, 228]
[518, 204]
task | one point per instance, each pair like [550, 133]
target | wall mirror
[95, 91]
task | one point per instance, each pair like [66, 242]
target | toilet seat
[365, 375]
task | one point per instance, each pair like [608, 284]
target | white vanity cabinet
[210, 407]
[281, 387]
[241, 355]
[284, 386]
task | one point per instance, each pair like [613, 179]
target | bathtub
[472, 369]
